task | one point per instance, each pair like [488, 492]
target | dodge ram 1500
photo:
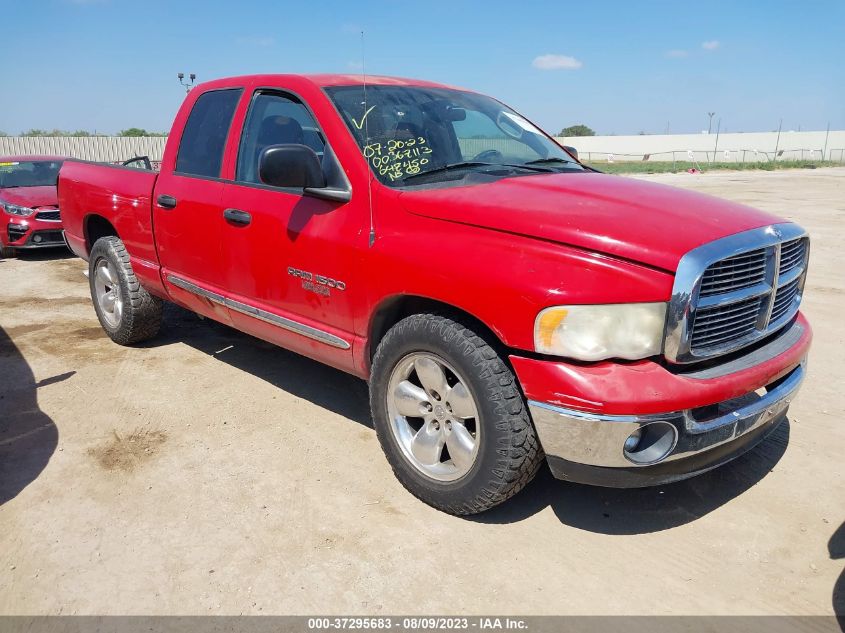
[507, 304]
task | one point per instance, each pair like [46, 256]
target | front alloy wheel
[433, 416]
[450, 416]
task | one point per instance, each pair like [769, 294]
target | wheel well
[393, 310]
[96, 226]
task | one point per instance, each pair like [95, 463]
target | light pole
[710, 124]
[187, 84]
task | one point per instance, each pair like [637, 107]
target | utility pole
[826, 135]
[716, 146]
[710, 124]
[187, 84]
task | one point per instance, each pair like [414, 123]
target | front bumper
[26, 234]
[713, 415]
[30, 232]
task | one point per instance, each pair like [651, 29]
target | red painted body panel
[644, 387]
[503, 280]
[121, 195]
[624, 217]
[501, 252]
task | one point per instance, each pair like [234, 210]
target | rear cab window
[204, 137]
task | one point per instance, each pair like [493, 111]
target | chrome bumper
[598, 440]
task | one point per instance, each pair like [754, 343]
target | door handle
[166, 202]
[236, 216]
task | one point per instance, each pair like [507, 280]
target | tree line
[132, 131]
[577, 130]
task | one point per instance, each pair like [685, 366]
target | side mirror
[291, 165]
[571, 150]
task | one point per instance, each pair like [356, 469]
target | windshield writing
[405, 132]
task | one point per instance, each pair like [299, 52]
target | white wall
[111, 149]
[660, 147]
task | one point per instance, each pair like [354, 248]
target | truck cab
[508, 305]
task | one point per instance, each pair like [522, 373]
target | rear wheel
[450, 417]
[128, 313]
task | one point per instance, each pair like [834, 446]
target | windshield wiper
[528, 165]
[449, 167]
[472, 163]
[541, 161]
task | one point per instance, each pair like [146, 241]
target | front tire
[450, 417]
[7, 252]
[128, 313]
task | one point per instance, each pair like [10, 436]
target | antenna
[366, 144]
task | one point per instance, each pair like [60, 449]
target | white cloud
[677, 53]
[556, 62]
[710, 45]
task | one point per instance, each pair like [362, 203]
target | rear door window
[204, 136]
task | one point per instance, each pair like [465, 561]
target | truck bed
[96, 197]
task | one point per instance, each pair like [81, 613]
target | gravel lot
[209, 472]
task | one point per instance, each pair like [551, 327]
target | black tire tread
[142, 315]
[518, 461]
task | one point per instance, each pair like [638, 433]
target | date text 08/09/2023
[417, 623]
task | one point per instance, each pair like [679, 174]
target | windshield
[29, 173]
[415, 135]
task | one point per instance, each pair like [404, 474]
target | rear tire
[478, 408]
[128, 313]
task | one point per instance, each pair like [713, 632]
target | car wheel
[128, 313]
[450, 416]
[8, 252]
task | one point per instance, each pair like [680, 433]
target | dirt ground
[208, 472]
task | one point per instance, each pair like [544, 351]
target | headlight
[596, 332]
[13, 209]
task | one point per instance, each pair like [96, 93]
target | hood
[32, 197]
[624, 217]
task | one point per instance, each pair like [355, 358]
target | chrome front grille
[792, 254]
[733, 273]
[783, 300]
[718, 325]
[734, 291]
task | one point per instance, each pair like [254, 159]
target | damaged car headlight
[597, 332]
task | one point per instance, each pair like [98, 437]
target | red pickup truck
[507, 304]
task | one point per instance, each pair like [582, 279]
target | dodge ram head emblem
[773, 230]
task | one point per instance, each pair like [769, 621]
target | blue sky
[619, 67]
